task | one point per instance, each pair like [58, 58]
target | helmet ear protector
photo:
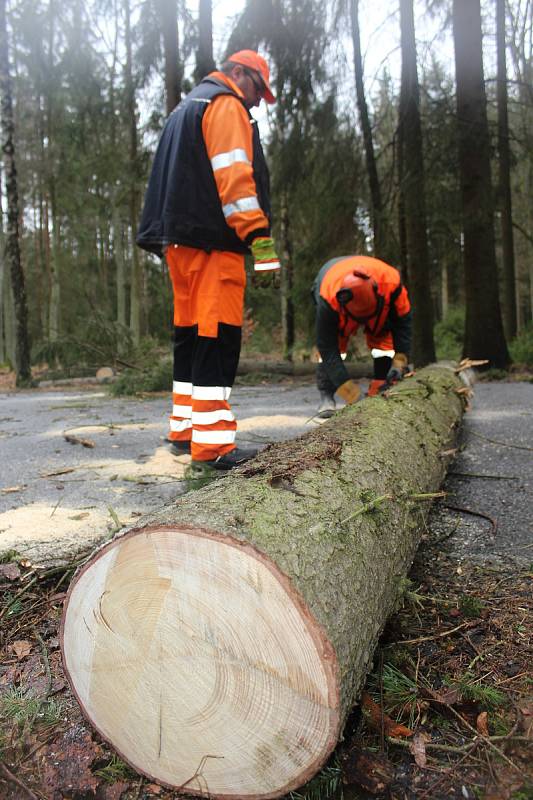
[359, 297]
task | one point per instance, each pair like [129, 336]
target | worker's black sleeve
[400, 328]
[327, 342]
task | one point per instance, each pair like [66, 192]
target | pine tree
[12, 248]
[484, 337]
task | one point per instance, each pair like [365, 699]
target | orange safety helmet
[359, 296]
[252, 60]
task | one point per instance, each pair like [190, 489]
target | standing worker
[206, 206]
[348, 292]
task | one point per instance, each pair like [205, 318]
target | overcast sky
[379, 42]
[380, 35]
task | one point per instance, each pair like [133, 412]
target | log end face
[193, 655]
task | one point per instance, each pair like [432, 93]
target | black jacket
[182, 205]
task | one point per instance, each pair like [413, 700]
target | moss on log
[261, 598]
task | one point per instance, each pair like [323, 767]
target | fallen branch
[475, 514]
[430, 638]
[8, 776]
[485, 477]
[496, 441]
[486, 739]
[76, 440]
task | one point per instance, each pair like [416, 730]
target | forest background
[431, 169]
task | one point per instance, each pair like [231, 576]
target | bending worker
[206, 206]
[348, 292]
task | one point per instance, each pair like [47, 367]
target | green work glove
[265, 256]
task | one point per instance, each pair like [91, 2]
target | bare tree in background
[484, 336]
[204, 55]
[137, 278]
[504, 182]
[168, 13]
[12, 248]
[413, 192]
[378, 224]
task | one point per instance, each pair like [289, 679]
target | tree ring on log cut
[204, 668]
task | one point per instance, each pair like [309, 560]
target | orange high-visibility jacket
[209, 185]
[389, 330]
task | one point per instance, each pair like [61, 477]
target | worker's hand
[264, 253]
[398, 368]
[349, 391]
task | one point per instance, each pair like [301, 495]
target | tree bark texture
[220, 646]
[504, 159]
[204, 56]
[137, 277]
[12, 240]
[168, 10]
[378, 223]
[413, 193]
[484, 337]
[287, 304]
[52, 216]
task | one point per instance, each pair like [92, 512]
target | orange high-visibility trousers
[208, 309]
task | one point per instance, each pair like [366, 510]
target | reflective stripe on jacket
[209, 185]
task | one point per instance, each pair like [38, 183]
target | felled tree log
[220, 646]
[356, 369]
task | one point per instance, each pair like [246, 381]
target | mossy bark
[295, 503]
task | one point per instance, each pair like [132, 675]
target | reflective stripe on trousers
[203, 416]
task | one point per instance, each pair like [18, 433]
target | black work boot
[326, 408]
[179, 448]
[230, 460]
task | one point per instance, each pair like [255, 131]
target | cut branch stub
[245, 690]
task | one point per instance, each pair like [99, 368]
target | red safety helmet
[359, 296]
[252, 60]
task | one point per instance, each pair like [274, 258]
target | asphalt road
[59, 497]
[492, 475]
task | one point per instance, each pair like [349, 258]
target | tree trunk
[120, 264]
[221, 646]
[55, 285]
[53, 247]
[402, 225]
[378, 225]
[204, 56]
[117, 237]
[12, 249]
[520, 44]
[509, 285]
[287, 305]
[413, 192]
[5, 288]
[444, 288]
[137, 282]
[168, 11]
[484, 337]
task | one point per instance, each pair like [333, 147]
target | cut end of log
[194, 656]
